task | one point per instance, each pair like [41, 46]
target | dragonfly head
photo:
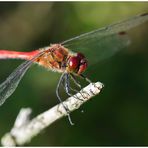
[77, 64]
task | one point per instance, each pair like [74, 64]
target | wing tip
[122, 33]
[144, 14]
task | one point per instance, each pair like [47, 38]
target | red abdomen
[7, 54]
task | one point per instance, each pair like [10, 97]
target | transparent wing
[105, 41]
[11, 83]
[96, 50]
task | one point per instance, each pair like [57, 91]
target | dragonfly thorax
[60, 59]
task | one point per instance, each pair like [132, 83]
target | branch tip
[25, 129]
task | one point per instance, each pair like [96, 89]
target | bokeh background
[116, 117]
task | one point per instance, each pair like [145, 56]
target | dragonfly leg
[68, 88]
[75, 81]
[85, 78]
[89, 81]
[60, 100]
[77, 84]
[67, 85]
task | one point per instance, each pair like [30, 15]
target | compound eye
[73, 63]
[83, 61]
[82, 67]
[80, 55]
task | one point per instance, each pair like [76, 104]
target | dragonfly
[72, 57]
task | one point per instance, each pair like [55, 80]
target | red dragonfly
[72, 56]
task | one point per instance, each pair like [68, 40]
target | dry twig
[24, 129]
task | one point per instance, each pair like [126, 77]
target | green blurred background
[119, 115]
